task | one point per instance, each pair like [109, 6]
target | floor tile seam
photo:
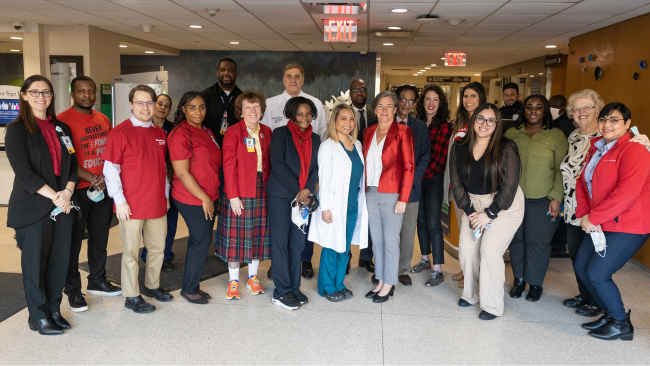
[461, 317]
[307, 309]
[383, 350]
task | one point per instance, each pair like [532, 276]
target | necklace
[378, 131]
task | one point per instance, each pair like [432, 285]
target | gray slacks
[407, 237]
[385, 227]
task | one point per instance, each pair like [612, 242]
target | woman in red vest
[243, 233]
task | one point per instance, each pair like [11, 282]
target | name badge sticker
[515, 116]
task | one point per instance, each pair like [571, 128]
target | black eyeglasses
[612, 120]
[36, 93]
[356, 90]
[490, 121]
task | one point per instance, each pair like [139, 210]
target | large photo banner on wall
[327, 74]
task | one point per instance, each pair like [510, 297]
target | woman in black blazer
[41, 155]
[294, 173]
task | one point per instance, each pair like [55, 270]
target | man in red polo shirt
[135, 173]
[89, 130]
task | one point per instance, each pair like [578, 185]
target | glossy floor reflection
[419, 325]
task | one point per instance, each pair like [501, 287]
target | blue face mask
[95, 195]
[58, 210]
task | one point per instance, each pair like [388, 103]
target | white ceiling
[494, 32]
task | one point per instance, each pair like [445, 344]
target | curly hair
[598, 101]
[442, 115]
[251, 96]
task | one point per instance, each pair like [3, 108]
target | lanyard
[225, 105]
[211, 137]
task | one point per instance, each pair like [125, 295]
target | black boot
[596, 323]
[615, 329]
[45, 326]
[518, 288]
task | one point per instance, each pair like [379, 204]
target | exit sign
[340, 30]
[455, 59]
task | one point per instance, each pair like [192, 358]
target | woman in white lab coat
[342, 217]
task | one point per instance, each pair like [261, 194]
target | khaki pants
[153, 231]
[482, 261]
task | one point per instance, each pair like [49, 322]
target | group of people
[278, 176]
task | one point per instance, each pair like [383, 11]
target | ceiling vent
[427, 18]
[336, 8]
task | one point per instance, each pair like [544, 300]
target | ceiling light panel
[539, 8]
[151, 6]
[465, 8]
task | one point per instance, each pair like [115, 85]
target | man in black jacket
[560, 118]
[511, 103]
[220, 100]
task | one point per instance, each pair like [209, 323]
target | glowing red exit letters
[455, 58]
[340, 30]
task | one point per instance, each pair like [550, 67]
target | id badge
[250, 144]
[224, 126]
[515, 116]
[68, 144]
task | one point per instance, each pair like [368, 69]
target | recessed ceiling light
[442, 58]
[399, 10]
[419, 72]
[434, 65]
[388, 44]
[234, 42]
[551, 46]
[423, 70]
[416, 74]
[196, 26]
[427, 68]
[123, 46]
[477, 74]
[532, 76]
[15, 50]
[395, 28]
[541, 73]
[16, 37]
[148, 51]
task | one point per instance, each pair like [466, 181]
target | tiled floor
[419, 325]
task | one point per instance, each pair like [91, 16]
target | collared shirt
[399, 119]
[373, 161]
[359, 112]
[541, 156]
[274, 114]
[258, 147]
[112, 173]
[602, 149]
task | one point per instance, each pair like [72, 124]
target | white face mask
[96, 195]
[299, 215]
[555, 113]
[599, 242]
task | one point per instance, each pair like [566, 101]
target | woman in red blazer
[243, 225]
[613, 195]
[388, 150]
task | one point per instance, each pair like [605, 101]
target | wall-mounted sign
[448, 79]
[522, 80]
[343, 30]
[553, 60]
[455, 58]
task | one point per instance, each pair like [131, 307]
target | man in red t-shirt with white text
[89, 129]
[135, 171]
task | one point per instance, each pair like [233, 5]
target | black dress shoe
[615, 329]
[347, 269]
[60, 321]
[574, 302]
[204, 294]
[158, 294]
[200, 300]
[589, 310]
[534, 293]
[405, 280]
[484, 315]
[371, 294]
[45, 326]
[336, 296]
[368, 265]
[138, 305]
[518, 287]
[374, 280]
[384, 298]
[168, 266]
[307, 271]
[463, 303]
[596, 323]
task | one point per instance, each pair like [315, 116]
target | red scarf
[304, 150]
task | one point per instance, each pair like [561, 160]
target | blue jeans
[596, 271]
[172, 224]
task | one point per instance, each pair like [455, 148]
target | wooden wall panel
[558, 83]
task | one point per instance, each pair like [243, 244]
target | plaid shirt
[439, 144]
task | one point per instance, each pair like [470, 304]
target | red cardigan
[398, 162]
[239, 165]
[620, 187]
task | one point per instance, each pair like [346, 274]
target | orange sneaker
[233, 290]
[253, 284]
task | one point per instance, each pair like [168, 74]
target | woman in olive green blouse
[541, 150]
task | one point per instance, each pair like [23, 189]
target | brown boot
[458, 276]
[461, 284]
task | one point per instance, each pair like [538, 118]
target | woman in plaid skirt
[243, 225]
